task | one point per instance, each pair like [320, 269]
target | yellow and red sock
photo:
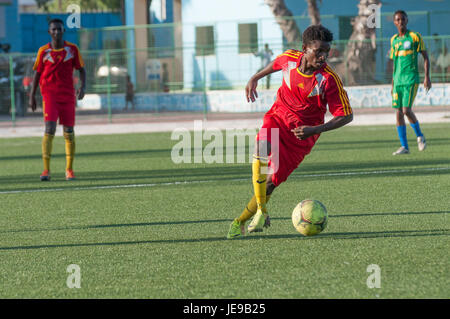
[70, 149]
[47, 145]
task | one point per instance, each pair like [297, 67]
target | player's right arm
[281, 62]
[34, 85]
[250, 89]
[391, 56]
[39, 68]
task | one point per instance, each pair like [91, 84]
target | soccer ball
[310, 217]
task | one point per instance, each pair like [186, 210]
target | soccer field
[140, 226]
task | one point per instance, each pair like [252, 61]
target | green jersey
[404, 51]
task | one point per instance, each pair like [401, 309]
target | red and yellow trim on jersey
[39, 54]
[342, 95]
[292, 54]
[80, 58]
[304, 75]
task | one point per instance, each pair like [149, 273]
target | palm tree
[313, 11]
[361, 49]
[283, 17]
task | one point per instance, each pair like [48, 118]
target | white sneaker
[421, 143]
[400, 151]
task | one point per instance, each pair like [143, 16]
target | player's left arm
[79, 65]
[82, 88]
[422, 49]
[303, 132]
[426, 66]
[339, 106]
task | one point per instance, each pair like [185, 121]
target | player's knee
[270, 187]
[68, 129]
[50, 128]
[407, 111]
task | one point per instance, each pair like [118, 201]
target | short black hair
[56, 20]
[316, 33]
[400, 12]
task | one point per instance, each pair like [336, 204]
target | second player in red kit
[54, 66]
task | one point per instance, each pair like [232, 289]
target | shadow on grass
[333, 236]
[150, 153]
[206, 221]
[372, 144]
[213, 172]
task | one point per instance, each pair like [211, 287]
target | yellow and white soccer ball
[310, 217]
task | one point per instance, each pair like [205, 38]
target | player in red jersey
[294, 123]
[54, 67]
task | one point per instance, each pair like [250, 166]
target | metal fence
[165, 67]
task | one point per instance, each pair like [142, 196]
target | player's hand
[303, 132]
[80, 93]
[250, 90]
[427, 83]
[32, 103]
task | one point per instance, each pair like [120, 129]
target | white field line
[361, 173]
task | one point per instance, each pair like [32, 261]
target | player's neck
[305, 68]
[402, 32]
[57, 44]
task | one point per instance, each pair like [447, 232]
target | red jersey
[56, 68]
[302, 99]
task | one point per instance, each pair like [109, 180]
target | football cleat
[45, 176]
[421, 143]
[401, 151]
[259, 222]
[70, 175]
[237, 229]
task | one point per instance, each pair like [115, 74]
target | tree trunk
[360, 52]
[288, 26]
[313, 12]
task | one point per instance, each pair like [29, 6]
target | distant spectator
[443, 63]
[129, 97]
[165, 78]
[266, 57]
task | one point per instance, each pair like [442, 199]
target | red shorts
[287, 151]
[55, 109]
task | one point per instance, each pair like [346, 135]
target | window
[204, 40]
[248, 37]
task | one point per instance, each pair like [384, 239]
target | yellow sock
[259, 175]
[70, 149]
[250, 209]
[47, 145]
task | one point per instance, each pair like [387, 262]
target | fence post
[13, 95]
[108, 87]
[205, 106]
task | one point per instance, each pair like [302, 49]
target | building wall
[9, 22]
[227, 65]
[34, 27]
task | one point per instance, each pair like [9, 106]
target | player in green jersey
[405, 47]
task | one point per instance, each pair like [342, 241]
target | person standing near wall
[266, 58]
[129, 96]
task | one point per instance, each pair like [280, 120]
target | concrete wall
[234, 100]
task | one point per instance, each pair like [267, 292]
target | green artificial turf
[140, 226]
